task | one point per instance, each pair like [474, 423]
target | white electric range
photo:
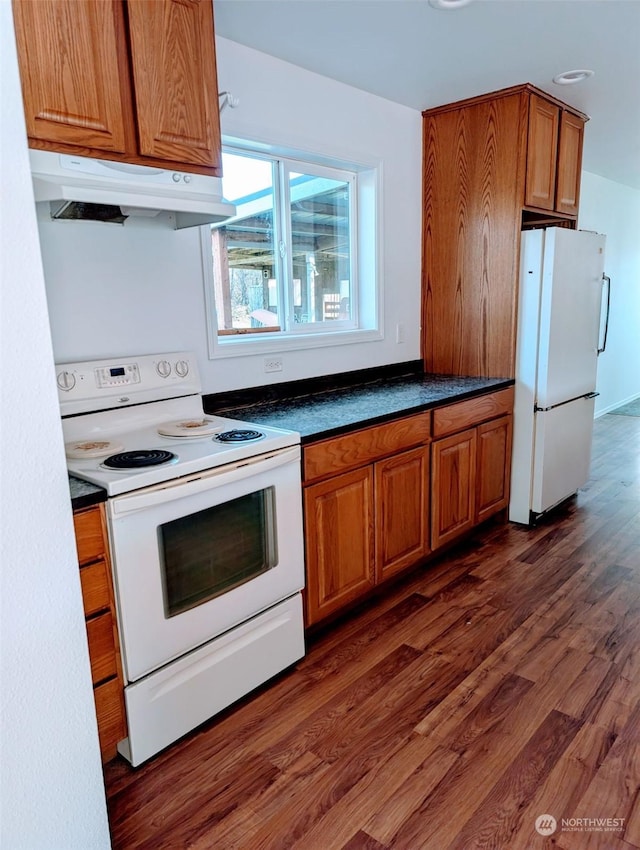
[205, 530]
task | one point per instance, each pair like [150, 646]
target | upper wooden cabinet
[569, 163]
[542, 154]
[554, 157]
[491, 165]
[131, 81]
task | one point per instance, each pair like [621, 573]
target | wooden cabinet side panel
[493, 467]
[102, 650]
[174, 70]
[542, 151]
[402, 510]
[90, 539]
[95, 582]
[569, 163]
[453, 462]
[110, 711]
[102, 630]
[74, 72]
[339, 534]
[473, 172]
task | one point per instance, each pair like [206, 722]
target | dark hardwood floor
[497, 685]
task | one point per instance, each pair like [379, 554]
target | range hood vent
[83, 189]
[80, 211]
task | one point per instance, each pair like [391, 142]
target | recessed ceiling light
[448, 4]
[571, 77]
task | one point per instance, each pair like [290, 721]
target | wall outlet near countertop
[399, 332]
[273, 364]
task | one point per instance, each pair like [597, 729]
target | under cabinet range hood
[80, 188]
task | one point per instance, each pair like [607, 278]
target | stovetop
[117, 406]
[191, 455]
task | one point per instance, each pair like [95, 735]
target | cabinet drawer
[102, 649]
[89, 537]
[340, 454]
[112, 727]
[95, 587]
[464, 414]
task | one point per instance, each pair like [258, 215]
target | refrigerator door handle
[561, 403]
[606, 279]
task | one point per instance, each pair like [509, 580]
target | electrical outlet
[273, 364]
[399, 332]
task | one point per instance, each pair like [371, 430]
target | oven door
[196, 556]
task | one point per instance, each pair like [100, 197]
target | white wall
[614, 209]
[139, 289]
[52, 795]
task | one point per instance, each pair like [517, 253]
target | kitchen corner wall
[614, 209]
[51, 786]
[138, 289]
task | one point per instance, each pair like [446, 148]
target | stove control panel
[122, 375]
[107, 384]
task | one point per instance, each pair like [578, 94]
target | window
[290, 264]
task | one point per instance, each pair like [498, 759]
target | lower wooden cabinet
[493, 468]
[380, 500]
[339, 517]
[363, 525]
[102, 630]
[454, 482]
[401, 510]
[471, 468]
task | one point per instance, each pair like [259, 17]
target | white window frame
[365, 212]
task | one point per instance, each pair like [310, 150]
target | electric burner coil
[139, 459]
[239, 435]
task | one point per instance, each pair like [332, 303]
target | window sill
[243, 346]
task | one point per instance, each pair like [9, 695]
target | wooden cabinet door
[74, 73]
[339, 535]
[402, 510]
[473, 175]
[569, 163]
[493, 467]
[542, 151]
[174, 72]
[453, 487]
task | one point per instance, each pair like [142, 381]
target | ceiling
[410, 53]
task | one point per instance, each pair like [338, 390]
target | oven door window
[208, 553]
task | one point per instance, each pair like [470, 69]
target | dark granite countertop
[331, 412]
[84, 495]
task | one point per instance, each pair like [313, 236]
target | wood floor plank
[560, 793]
[386, 788]
[331, 716]
[362, 841]
[495, 822]
[613, 791]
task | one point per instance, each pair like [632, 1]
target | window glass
[284, 264]
[320, 248]
[244, 253]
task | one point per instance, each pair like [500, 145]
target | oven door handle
[208, 479]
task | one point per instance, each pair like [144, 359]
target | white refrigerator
[561, 330]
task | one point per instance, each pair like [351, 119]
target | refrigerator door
[562, 452]
[570, 301]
